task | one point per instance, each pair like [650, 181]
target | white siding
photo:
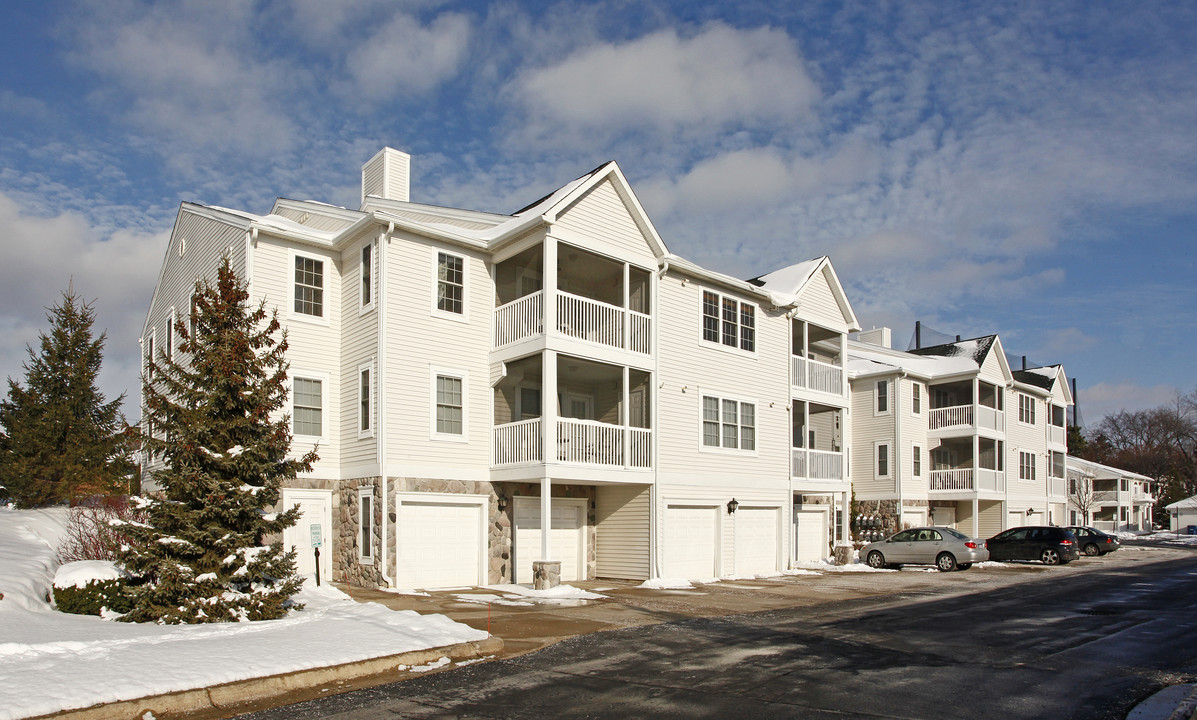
[622, 535]
[818, 303]
[601, 215]
[867, 429]
[359, 345]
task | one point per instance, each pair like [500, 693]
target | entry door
[810, 535]
[567, 539]
[315, 507]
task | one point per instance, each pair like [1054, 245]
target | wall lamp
[502, 502]
[732, 505]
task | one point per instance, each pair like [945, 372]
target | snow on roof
[1096, 468]
[784, 285]
[279, 223]
[1044, 377]
[1189, 503]
[540, 206]
[865, 359]
[975, 348]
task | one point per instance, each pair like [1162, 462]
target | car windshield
[953, 533]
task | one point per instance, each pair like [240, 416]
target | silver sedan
[943, 547]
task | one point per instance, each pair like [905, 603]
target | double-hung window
[916, 456]
[883, 460]
[309, 286]
[149, 357]
[450, 283]
[882, 398]
[365, 514]
[728, 424]
[1026, 409]
[1026, 466]
[450, 405]
[366, 274]
[727, 321]
[307, 406]
[170, 336]
[365, 400]
[916, 398]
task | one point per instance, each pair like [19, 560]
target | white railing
[952, 479]
[816, 375]
[991, 480]
[1056, 435]
[1142, 497]
[990, 418]
[1058, 487]
[589, 442]
[516, 443]
[956, 416]
[816, 464]
[641, 333]
[641, 448]
[589, 320]
[1106, 526]
[1105, 496]
[519, 319]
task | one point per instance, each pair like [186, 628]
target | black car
[1094, 542]
[1049, 545]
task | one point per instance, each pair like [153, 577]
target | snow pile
[1168, 537]
[561, 592]
[666, 584]
[78, 574]
[53, 661]
[827, 566]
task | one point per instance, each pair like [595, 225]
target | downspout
[380, 373]
[251, 241]
[896, 460]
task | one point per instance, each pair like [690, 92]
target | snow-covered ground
[51, 661]
[1164, 536]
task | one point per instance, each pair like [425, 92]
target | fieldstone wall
[347, 526]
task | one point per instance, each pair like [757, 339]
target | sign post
[314, 529]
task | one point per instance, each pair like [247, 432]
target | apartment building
[1108, 498]
[490, 391]
[951, 435]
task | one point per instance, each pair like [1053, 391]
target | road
[1061, 645]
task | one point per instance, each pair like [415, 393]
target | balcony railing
[816, 464]
[968, 479]
[577, 317]
[1105, 496]
[962, 416]
[1058, 487]
[816, 375]
[1056, 435]
[584, 442]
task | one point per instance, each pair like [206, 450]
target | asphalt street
[1081, 645]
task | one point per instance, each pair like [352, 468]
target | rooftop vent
[877, 336]
[386, 175]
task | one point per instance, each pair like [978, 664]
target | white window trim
[1034, 410]
[1034, 467]
[889, 459]
[357, 381]
[326, 306]
[149, 373]
[171, 336]
[322, 377]
[718, 344]
[362, 556]
[916, 454]
[922, 391]
[756, 426]
[889, 399]
[464, 376]
[364, 308]
[464, 315]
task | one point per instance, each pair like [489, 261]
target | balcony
[816, 375]
[1057, 435]
[961, 416]
[578, 317]
[967, 479]
[816, 464]
[578, 442]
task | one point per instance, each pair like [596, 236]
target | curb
[262, 688]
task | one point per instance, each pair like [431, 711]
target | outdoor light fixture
[732, 505]
[1030, 511]
[502, 503]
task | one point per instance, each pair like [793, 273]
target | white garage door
[315, 507]
[440, 544]
[567, 537]
[810, 535]
[756, 540]
[691, 541]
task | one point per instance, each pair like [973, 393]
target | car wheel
[1092, 550]
[876, 560]
[1050, 556]
[946, 562]
[964, 566]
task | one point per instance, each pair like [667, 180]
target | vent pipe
[1024, 362]
[918, 334]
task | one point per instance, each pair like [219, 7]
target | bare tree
[1081, 495]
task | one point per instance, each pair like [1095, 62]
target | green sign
[315, 530]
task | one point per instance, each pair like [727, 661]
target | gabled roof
[786, 284]
[976, 348]
[1189, 503]
[1095, 469]
[866, 360]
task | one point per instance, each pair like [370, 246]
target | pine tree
[61, 439]
[201, 553]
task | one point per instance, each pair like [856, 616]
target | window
[729, 424]
[365, 393]
[149, 358]
[916, 456]
[728, 321]
[365, 514]
[529, 403]
[1125, 485]
[170, 336]
[450, 284]
[1057, 464]
[916, 400]
[883, 460]
[1026, 409]
[367, 276]
[1058, 416]
[449, 405]
[307, 407]
[191, 316]
[309, 286]
[882, 397]
[1026, 466]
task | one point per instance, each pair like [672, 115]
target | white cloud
[44, 255]
[405, 55]
[719, 77]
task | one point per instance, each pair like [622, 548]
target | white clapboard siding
[622, 531]
[600, 214]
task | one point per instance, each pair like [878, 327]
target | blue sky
[1027, 169]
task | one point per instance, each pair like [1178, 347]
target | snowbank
[52, 661]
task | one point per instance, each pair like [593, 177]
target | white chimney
[386, 175]
[877, 336]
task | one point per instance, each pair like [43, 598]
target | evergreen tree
[200, 555]
[61, 439]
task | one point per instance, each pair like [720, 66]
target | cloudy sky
[1028, 169]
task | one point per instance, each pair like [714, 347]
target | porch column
[549, 436]
[627, 311]
[546, 516]
[845, 503]
[549, 285]
[976, 520]
[624, 414]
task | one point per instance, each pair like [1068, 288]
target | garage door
[315, 507]
[567, 537]
[756, 540]
[691, 541]
[440, 544]
[810, 535]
